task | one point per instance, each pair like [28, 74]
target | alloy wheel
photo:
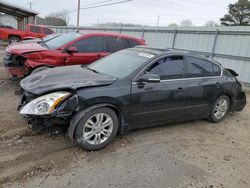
[97, 129]
[221, 109]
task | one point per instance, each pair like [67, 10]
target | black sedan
[131, 89]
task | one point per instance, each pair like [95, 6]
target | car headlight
[45, 104]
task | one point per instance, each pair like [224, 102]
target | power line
[97, 6]
[96, 3]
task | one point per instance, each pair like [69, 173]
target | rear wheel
[13, 40]
[219, 109]
[97, 129]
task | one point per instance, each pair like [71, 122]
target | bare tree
[62, 14]
[173, 25]
[211, 23]
[186, 23]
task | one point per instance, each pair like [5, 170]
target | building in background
[8, 20]
[23, 16]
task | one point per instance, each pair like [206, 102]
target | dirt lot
[194, 154]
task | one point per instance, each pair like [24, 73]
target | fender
[34, 64]
[77, 117]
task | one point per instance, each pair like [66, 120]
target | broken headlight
[45, 104]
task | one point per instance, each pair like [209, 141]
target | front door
[156, 103]
[89, 50]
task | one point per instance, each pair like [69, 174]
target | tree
[186, 23]
[61, 15]
[173, 25]
[238, 14]
[211, 23]
[50, 21]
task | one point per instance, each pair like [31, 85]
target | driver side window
[169, 68]
[90, 45]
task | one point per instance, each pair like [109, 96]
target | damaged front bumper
[15, 66]
[47, 124]
[56, 122]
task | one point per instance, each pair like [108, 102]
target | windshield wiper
[44, 44]
[95, 71]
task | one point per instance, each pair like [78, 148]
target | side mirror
[72, 49]
[150, 78]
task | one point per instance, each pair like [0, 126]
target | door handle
[98, 55]
[180, 90]
[218, 85]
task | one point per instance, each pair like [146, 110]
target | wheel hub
[97, 128]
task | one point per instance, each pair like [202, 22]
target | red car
[14, 35]
[68, 49]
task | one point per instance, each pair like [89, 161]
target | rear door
[89, 50]
[203, 86]
[156, 103]
[114, 44]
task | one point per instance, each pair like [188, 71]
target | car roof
[107, 34]
[169, 51]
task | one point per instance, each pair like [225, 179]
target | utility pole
[30, 3]
[158, 21]
[78, 13]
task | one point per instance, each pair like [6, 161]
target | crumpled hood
[61, 78]
[21, 48]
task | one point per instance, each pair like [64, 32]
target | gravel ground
[193, 154]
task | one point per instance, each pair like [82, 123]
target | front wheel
[97, 129]
[219, 109]
[13, 40]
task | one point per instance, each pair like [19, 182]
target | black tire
[212, 116]
[38, 69]
[14, 40]
[80, 127]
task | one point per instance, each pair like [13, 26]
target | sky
[144, 12]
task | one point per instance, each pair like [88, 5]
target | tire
[87, 126]
[38, 69]
[219, 109]
[13, 40]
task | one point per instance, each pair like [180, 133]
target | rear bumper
[240, 103]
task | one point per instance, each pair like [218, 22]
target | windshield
[62, 40]
[120, 64]
[49, 37]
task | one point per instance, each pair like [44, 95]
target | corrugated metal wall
[228, 45]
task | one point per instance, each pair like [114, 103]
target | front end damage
[54, 122]
[15, 65]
